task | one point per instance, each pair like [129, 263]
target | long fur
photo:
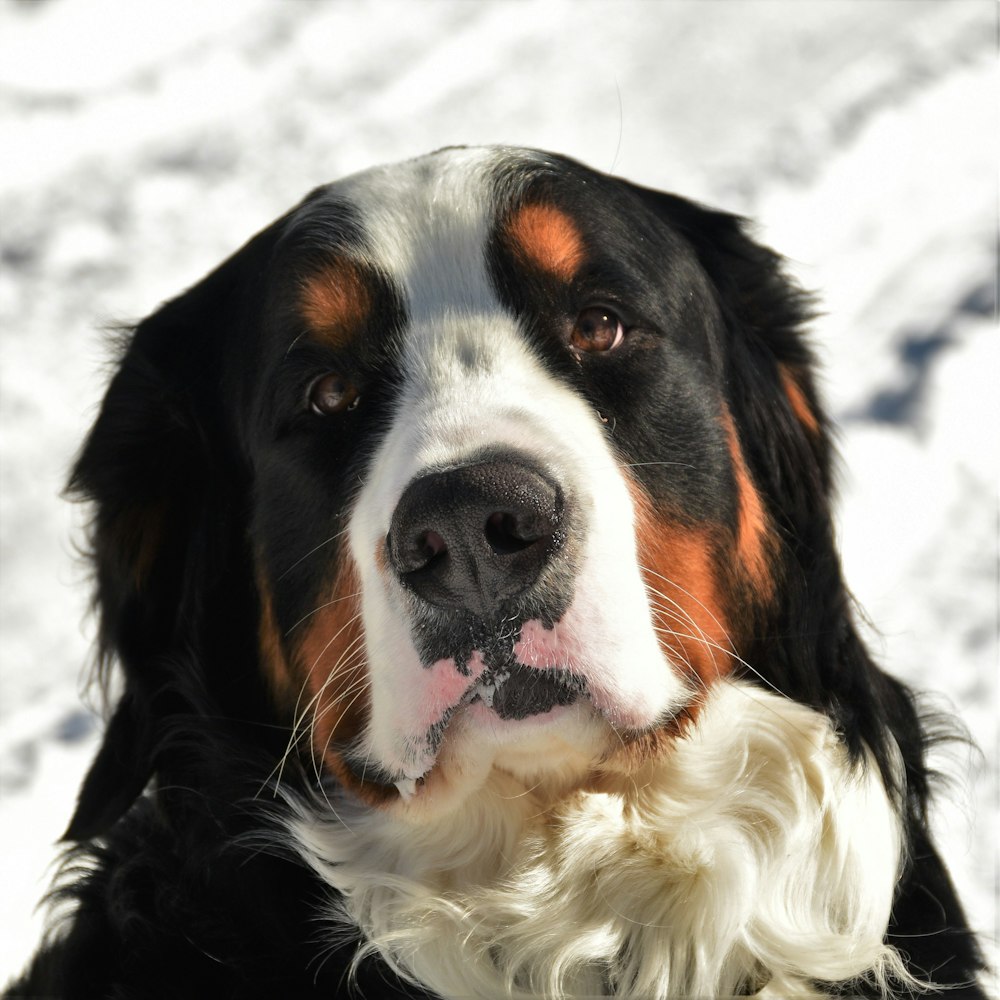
[731, 866]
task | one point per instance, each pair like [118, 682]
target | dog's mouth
[519, 692]
[503, 697]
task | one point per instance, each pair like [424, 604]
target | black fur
[172, 893]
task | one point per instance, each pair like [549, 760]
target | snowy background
[141, 142]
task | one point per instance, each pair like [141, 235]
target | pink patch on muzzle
[541, 647]
[441, 687]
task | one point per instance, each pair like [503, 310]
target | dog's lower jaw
[737, 861]
[550, 753]
[568, 747]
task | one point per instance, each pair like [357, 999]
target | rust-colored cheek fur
[707, 583]
[330, 656]
[679, 567]
[319, 673]
[272, 651]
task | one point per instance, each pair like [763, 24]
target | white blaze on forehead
[427, 222]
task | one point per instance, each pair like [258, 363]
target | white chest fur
[753, 853]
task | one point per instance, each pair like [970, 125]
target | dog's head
[481, 460]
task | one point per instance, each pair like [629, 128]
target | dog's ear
[160, 468]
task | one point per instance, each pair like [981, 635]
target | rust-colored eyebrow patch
[548, 238]
[335, 301]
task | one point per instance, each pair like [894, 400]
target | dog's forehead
[425, 223]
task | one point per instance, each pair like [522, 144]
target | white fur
[752, 851]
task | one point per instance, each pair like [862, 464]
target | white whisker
[314, 549]
[314, 611]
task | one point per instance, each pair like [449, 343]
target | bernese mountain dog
[463, 549]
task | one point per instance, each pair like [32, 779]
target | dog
[463, 548]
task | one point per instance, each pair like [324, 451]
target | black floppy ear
[160, 468]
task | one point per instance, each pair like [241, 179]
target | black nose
[473, 537]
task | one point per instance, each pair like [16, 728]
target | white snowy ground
[142, 141]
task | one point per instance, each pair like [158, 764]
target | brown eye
[597, 329]
[332, 394]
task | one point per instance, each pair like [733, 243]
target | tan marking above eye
[549, 238]
[335, 301]
[597, 330]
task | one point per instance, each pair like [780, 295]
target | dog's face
[501, 515]
[499, 455]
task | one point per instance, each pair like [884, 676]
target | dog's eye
[597, 329]
[332, 394]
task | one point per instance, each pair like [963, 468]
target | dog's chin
[546, 747]
[548, 730]
[548, 752]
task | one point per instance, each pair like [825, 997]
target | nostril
[507, 533]
[416, 553]
[432, 544]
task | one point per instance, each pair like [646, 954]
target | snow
[144, 141]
